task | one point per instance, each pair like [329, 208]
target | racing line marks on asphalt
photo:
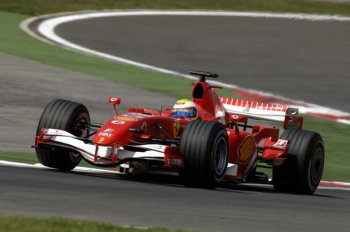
[323, 185]
[47, 29]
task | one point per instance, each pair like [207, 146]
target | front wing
[114, 156]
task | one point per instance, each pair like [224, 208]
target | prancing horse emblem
[176, 128]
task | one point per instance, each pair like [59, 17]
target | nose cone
[105, 136]
[115, 131]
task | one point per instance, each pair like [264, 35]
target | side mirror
[234, 119]
[237, 118]
[114, 101]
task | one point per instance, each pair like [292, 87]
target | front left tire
[66, 115]
[204, 146]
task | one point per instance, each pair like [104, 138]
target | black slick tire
[204, 147]
[303, 168]
[65, 115]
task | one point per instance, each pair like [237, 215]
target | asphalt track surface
[165, 202]
[27, 86]
[298, 59]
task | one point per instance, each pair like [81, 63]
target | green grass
[38, 7]
[30, 158]
[33, 224]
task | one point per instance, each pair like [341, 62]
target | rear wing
[257, 110]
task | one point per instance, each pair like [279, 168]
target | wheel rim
[79, 130]
[79, 127]
[220, 156]
[316, 165]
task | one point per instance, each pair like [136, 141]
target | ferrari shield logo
[176, 128]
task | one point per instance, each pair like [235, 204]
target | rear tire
[204, 147]
[65, 115]
[303, 168]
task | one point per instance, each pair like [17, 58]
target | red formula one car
[218, 146]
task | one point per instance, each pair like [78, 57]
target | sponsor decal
[247, 149]
[118, 122]
[174, 162]
[281, 143]
[135, 116]
[101, 140]
[104, 134]
[108, 130]
[176, 128]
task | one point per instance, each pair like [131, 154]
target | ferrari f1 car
[221, 145]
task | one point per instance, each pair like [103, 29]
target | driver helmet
[185, 108]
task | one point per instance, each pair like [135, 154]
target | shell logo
[126, 118]
[247, 149]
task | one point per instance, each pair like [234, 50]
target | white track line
[338, 185]
[40, 166]
[47, 29]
